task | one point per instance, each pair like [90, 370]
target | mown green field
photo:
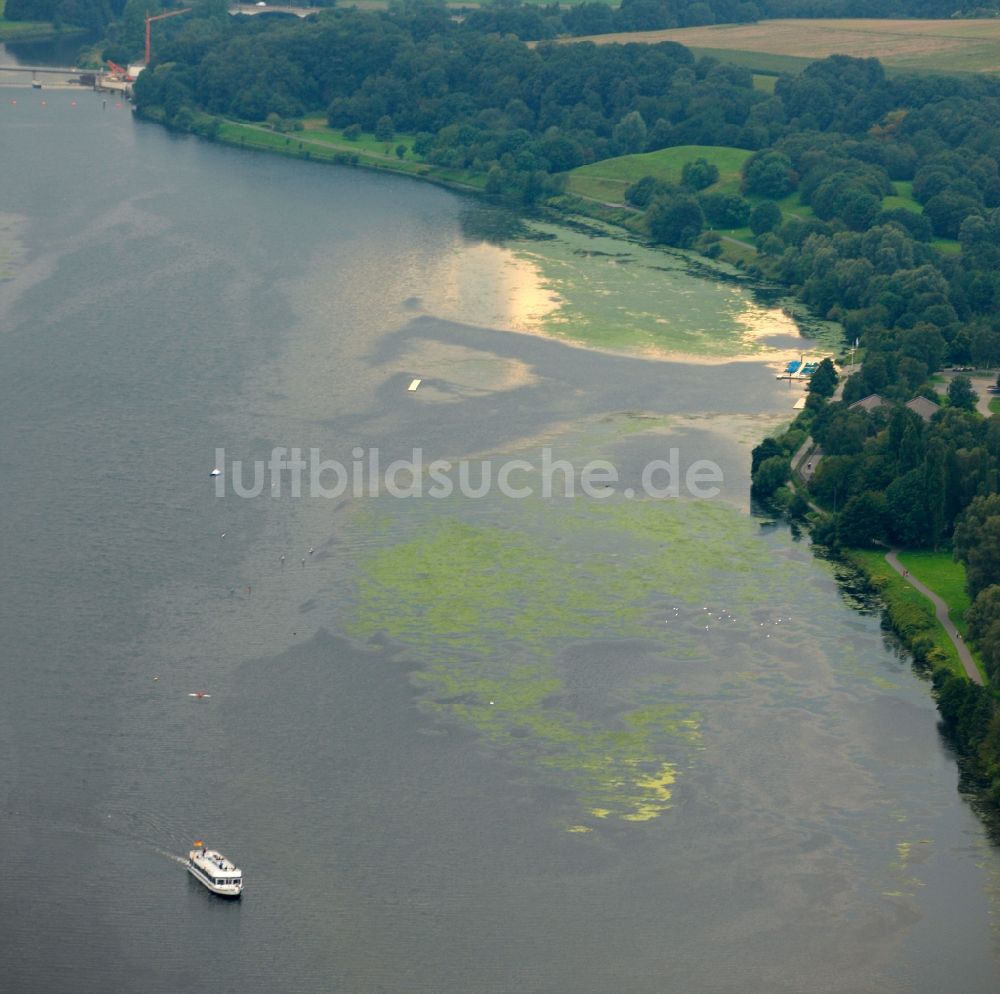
[307, 145]
[903, 198]
[321, 144]
[940, 572]
[315, 128]
[608, 179]
[757, 62]
[602, 182]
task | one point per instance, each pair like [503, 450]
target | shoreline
[772, 360]
[916, 622]
[210, 127]
[908, 611]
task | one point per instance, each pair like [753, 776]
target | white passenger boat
[218, 874]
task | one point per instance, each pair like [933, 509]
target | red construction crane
[160, 17]
[119, 72]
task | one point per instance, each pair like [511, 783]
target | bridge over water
[49, 69]
[272, 8]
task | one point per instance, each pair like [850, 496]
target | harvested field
[939, 46]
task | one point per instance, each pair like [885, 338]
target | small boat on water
[218, 874]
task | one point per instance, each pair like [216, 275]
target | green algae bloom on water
[489, 612]
[625, 295]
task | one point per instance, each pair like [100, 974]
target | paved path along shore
[941, 611]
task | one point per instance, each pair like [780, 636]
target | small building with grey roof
[924, 407]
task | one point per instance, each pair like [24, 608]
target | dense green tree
[986, 347]
[906, 505]
[630, 133]
[947, 211]
[771, 475]
[960, 349]
[966, 709]
[645, 190]
[767, 449]
[824, 380]
[983, 619]
[725, 210]
[590, 19]
[765, 217]
[984, 611]
[836, 480]
[769, 174]
[977, 543]
[862, 523]
[936, 479]
[961, 394]
[909, 452]
[677, 221]
[698, 174]
[915, 225]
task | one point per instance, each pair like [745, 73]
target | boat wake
[169, 855]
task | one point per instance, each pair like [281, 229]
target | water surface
[468, 744]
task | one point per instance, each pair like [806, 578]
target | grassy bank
[608, 179]
[941, 573]
[909, 612]
[594, 279]
[596, 190]
[317, 143]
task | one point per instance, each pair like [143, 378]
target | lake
[517, 741]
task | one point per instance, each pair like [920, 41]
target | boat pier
[800, 369]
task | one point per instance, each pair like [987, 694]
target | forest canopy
[535, 21]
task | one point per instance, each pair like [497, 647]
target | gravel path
[941, 611]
